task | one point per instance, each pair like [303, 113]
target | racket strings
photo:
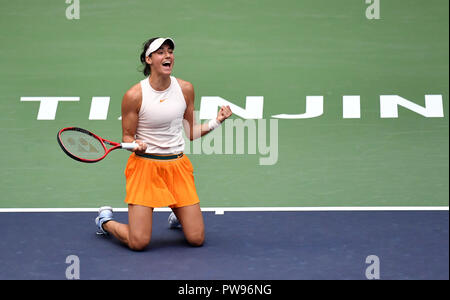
[82, 145]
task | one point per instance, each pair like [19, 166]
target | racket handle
[129, 146]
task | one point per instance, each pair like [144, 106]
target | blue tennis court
[330, 245]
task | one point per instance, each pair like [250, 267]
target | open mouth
[167, 64]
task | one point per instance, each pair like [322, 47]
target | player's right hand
[141, 148]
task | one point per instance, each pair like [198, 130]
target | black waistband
[161, 157]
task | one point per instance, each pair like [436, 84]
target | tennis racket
[85, 146]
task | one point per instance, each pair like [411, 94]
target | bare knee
[196, 240]
[138, 243]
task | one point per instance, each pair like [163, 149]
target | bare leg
[137, 233]
[191, 220]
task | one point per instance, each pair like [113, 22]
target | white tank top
[160, 123]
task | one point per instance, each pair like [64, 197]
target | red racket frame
[102, 141]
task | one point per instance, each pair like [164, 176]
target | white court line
[222, 210]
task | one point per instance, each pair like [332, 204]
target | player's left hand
[224, 113]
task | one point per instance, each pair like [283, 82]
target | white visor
[156, 44]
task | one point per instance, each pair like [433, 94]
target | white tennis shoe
[105, 213]
[173, 221]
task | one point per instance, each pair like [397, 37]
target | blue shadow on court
[238, 246]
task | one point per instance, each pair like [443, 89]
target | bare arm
[192, 128]
[131, 104]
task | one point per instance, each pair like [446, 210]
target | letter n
[253, 107]
[389, 106]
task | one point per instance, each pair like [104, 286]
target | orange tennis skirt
[158, 183]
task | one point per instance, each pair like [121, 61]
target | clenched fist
[224, 113]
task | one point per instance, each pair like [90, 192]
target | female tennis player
[158, 174]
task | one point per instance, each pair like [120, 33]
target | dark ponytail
[146, 69]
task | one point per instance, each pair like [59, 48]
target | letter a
[73, 270]
[373, 270]
[73, 11]
[373, 10]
